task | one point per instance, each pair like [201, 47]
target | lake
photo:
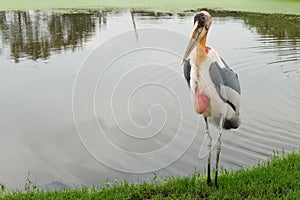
[93, 95]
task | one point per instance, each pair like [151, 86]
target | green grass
[276, 179]
[261, 6]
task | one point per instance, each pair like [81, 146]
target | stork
[214, 86]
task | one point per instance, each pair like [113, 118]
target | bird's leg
[218, 149]
[209, 151]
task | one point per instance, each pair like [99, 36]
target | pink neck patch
[207, 49]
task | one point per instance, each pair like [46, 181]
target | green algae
[265, 6]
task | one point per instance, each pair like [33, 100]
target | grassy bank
[276, 179]
[265, 6]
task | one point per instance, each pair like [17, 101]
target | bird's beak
[197, 35]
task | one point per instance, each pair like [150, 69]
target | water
[77, 110]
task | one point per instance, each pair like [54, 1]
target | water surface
[141, 102]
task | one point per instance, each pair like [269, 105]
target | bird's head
[202, 23]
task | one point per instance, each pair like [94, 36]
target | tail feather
[232, 123]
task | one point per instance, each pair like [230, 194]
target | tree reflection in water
[36, 34]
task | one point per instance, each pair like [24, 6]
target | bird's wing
[187, 71]
[226, 83]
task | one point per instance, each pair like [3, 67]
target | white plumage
[214, 86]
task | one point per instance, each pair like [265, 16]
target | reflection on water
[279, 30]
[36, 119]
[35, 34]
[279, 26]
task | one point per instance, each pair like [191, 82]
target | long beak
[197, 35]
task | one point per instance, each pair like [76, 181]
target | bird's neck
[201, 51]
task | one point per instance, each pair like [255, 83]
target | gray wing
[226, 83]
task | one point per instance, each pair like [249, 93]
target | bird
[214, 86]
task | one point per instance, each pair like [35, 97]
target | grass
[265, 6]
[277, 179]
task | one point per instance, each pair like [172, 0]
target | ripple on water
[291, 85]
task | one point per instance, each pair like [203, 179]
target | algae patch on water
[266, 6]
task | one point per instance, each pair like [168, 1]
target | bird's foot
[209, 183]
